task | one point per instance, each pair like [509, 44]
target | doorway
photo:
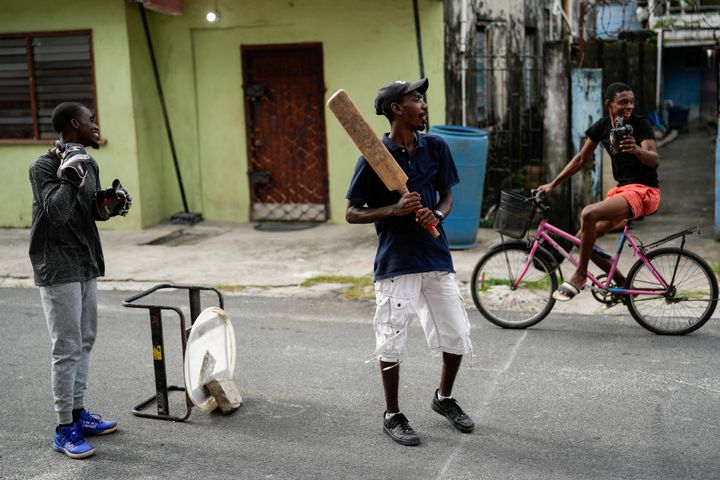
[284, 92]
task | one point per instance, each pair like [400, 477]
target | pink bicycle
[669, 290]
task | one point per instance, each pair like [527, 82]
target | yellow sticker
[157, 352]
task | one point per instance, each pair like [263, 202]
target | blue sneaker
[68, 441]
[92, 424]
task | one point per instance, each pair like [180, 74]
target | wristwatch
[439, 215]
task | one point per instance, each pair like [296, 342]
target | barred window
[37, 72]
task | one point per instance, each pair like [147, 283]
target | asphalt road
[575, 397]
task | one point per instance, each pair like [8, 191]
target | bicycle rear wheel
[507, 307]
[686, 305]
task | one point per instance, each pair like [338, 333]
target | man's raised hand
[73, 163]
[628, 145]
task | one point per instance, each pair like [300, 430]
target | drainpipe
[418, 38]
[463, 60]
[186, 217]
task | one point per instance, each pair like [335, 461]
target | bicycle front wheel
[513, 307]
[689, 301]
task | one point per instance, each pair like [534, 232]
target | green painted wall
[115, 110]
[365, 44]
[153, 169]
[173, 50]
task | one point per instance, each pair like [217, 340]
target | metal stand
[158, 348]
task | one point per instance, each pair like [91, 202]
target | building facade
[245, 98]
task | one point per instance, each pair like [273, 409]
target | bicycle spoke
[510, 274]
[493, 291]
[689, 299]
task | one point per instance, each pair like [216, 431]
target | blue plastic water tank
[469, 148]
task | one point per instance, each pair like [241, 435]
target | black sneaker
[399, 429]
[452, 411]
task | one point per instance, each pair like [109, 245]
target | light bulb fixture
[213, 16]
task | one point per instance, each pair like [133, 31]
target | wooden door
[287, 155]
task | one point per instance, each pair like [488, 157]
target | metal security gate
[287, 153]
[508, 104]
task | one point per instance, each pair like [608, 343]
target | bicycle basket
[514, 215]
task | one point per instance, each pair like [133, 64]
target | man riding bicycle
[629, 140]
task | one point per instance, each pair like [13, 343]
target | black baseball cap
[387, 94]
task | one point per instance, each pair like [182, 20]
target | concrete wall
[504, 22]
[172, 39]
[556, 127]
[157, 189]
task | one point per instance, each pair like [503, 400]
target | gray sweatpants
[71, 314]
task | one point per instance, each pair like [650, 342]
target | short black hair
[387, 111]
[615, 88]
[389, 114]
[64, 113]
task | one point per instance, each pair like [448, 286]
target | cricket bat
[370, 145]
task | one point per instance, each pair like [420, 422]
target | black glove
[124, 207]
[113, 201]
[73, 163]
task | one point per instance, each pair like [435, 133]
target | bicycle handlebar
[537, 196]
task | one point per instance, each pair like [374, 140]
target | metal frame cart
[158, 347]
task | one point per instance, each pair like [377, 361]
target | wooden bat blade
[379, 158]
[367, 141]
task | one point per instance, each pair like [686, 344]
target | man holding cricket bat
[414, 273]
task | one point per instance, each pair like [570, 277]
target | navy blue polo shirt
[403, 246]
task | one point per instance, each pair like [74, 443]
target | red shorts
[643, 200]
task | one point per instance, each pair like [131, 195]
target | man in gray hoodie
[67, 258]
